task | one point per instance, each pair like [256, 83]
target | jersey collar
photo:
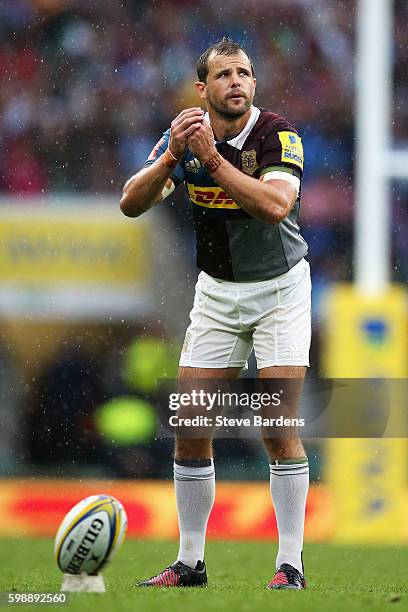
[239, 139]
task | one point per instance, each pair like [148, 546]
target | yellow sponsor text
[292, 148]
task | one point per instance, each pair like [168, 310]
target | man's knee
[284, 448]
[193, 448]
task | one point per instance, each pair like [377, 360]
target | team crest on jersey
[193, 166]
[249, 163]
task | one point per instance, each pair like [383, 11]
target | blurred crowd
[87, 89]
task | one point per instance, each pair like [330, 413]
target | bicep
[287, 185]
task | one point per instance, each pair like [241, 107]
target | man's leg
[194, 477]
[194, 480]
[289, 478]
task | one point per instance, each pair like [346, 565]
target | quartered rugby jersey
[231, 244]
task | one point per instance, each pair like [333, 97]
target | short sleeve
[178, 174]
[282, 147]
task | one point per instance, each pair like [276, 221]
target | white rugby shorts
[229, 319]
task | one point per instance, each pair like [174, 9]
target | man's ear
[200, 88]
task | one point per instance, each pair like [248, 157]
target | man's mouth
[235, 96]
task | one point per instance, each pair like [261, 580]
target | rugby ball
[90, 535]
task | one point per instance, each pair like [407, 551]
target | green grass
[339, 578]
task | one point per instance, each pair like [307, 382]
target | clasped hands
[190, 129]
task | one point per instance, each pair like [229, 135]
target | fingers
[191, 129]
[188, 112]
[183, 121]
[185, 118]
[182, 126]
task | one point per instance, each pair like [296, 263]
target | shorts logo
[292, 352]
[210, 197]
[249, 163]
[292, 149]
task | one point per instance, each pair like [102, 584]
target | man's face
[230, 86]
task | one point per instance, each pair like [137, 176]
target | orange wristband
[169, 159]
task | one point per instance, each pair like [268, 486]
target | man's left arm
[271, 200]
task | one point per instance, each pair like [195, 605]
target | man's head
[226, 78]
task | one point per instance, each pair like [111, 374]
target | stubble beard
[225, 111]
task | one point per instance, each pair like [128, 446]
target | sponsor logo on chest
[210, 197]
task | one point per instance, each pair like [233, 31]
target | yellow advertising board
[72, 245]
[366, 338]
[73, 262]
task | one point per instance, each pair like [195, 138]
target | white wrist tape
[167, 189]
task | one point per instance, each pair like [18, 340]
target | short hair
[225, 46]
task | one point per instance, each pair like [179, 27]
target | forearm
[259, 199]
[144, 189]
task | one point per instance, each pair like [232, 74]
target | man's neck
[225, 129]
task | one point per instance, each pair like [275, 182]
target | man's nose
[235, 82]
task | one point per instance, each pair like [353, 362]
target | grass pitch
[339, 578]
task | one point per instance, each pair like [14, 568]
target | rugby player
[242, 167]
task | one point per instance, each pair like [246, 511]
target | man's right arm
[149, 186]
[153, 183]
